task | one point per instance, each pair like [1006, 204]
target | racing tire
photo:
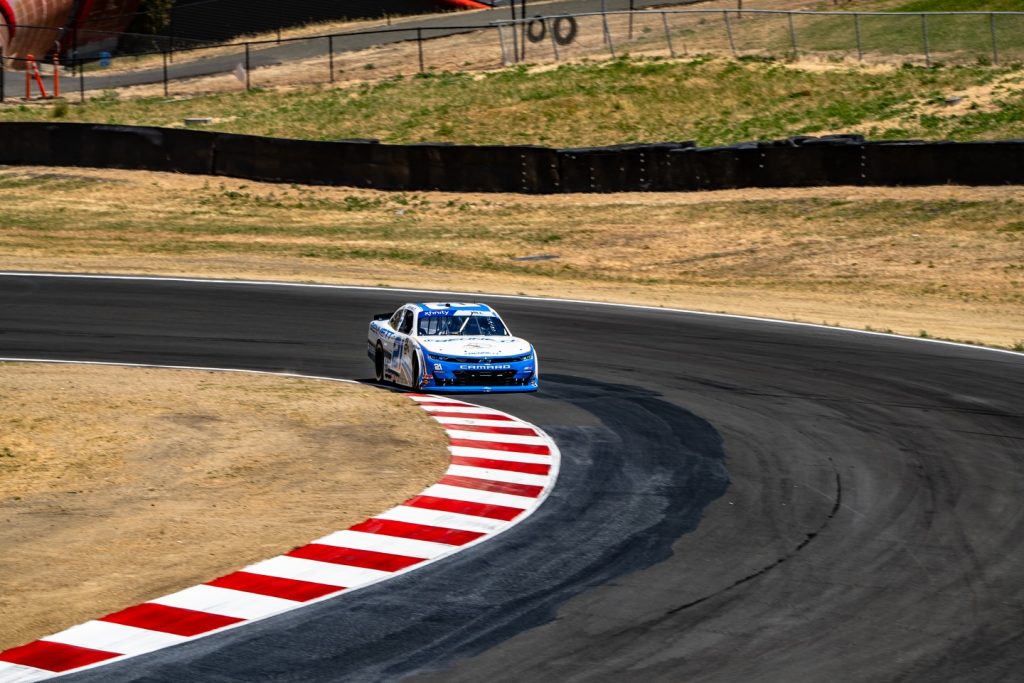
[414, 381]
[534, 35]
[567, 35]
[378, 364]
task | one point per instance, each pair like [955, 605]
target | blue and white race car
[450, 347]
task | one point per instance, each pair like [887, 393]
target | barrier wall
[670, 166]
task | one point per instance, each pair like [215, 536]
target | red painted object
[7, 13]
[56, 657]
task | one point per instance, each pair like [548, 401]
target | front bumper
[480, 378]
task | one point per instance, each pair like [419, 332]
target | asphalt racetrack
[739, 500]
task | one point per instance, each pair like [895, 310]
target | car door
[401, 353]
[388, 337]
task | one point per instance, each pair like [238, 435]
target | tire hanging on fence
[534, 35]
[564, 35]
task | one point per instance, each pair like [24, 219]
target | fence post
[166, 93]
[522, 28]
[501, 43]
[995, 45]
[924, 37]
[419, 46]
[248, 82]
[728, 31]
[856, 29]
[330, 55]
[554, 43]
[792, 36]
[631, 10]
[604, 28]
[668, 36]
[81, 80]
[515, 32]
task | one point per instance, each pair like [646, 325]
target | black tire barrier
[669, 166]
[566, 36]
[536, 30]
[621, 168]
[102, 146]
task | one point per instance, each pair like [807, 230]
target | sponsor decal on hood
[483, 347]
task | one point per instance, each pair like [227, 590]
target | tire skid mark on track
[503, 482]
[836, 505]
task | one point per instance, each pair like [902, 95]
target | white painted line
[227, 602]
[477, 496]
[394, 545]
[462, 410]
[15, 673]
[499, 475]
[538, 440]
[446, 520]
[491, 417]
[500, 455]
[286, 567]
[126, 640]
[447, 420]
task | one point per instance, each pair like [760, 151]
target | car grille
[486, 378]
[477, 359]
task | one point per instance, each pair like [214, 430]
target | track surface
[739, 500]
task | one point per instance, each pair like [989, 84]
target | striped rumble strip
[501, 470]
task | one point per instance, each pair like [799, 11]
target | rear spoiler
[381, 316]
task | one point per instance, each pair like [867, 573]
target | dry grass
[946, 260]
[118, 485]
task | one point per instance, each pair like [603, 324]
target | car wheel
[414, 381]
[378, 364]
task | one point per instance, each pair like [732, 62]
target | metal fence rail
[320, 58]
[925, 38]
[922, 37]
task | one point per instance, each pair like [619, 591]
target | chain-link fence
[173, 69]
[882, 37]
[162, 65]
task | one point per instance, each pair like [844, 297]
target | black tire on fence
[534, 35]
[566, 36]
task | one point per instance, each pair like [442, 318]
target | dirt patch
[118, 485]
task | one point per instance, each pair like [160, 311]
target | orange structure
[32, 71]
[39, 27]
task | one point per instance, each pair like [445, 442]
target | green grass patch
[712, 101]
[961, 6]
[950, 38]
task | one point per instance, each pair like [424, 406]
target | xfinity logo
[485, 367]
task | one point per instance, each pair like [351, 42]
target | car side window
[406, 327]
[396, 319]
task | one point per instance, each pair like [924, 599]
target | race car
[450, 347]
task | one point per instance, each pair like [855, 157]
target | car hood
[476, 347]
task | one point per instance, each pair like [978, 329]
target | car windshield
[463, 325]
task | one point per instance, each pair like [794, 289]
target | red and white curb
[501, 470]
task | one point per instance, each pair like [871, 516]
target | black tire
[414, 381]
[378, 364]
[532, 33]
[564, 36]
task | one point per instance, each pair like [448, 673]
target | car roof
[450, 307]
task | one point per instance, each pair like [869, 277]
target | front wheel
[378, 364]
[414, 381]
